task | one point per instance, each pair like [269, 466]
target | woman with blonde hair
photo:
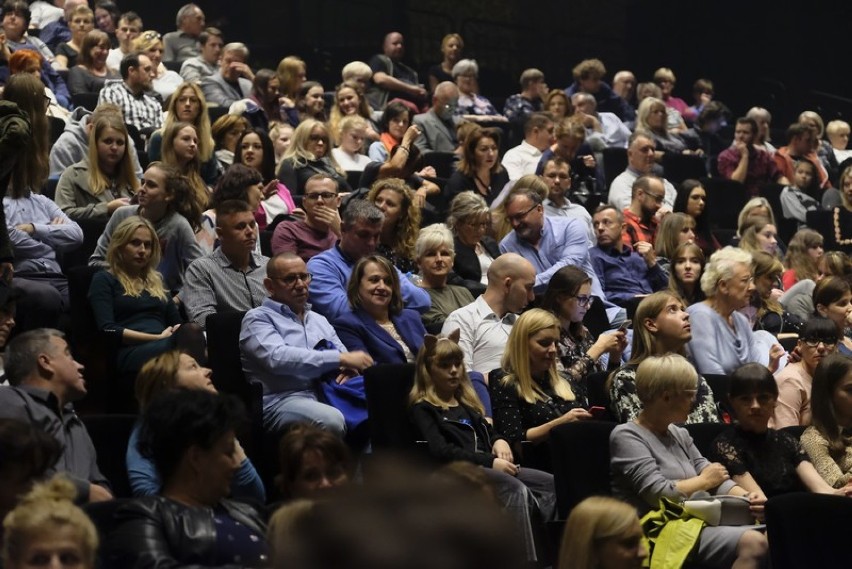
[755, 207]
[401, 224]
[469, 220]
[769, 315]
[167, 372]
[803, 257]
[131, 299]
[352, 132]
[349, 101]
[91, 72]
[105, 180]
[166, 81]
[292, 72]
[310, 153]
[652, 118]
[46, 529]
[528, 395]
[452, 46]
[558, 104]
[760, 234]
[661, 326]
[602, 533]
[181, 150]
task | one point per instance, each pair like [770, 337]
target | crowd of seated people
[348, 236]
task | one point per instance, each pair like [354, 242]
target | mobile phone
[597, 412]
[625, 325]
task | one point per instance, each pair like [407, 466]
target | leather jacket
[158, 532]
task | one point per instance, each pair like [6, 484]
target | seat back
[387, 388]
[719, 383]
[725, 199]
[808, 530]
[680, 167]
[444, 163]
[598, 394]
[614, 163]
[88, 101]
[703, 435]
[786, 227]
[580, 453]
[110, 434]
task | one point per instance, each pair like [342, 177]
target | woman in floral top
[568, 297]
[660, 326]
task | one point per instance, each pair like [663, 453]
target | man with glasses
[232, 81]
[438, 125]
[624, 273]
[557, 176]
[231, 277]
[640, 162]
[524, 158]
[320, 229]
[640, 217]
[290, 349]
[128, 29]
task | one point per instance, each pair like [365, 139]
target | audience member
[760, 234]
[28, 453]
[376, 321]
[641, 215]
[746, 163]
[190, 436]
[349, 100]
[59, 30]
[801, 141]
[232, 81]
[557, 175]
[797, 198]
[524, 158]
[602, 532]
[392, 79]
[558, 105]
[486, 323]
[107, 15]
[394, 125]
[588, 78]
[643, 470]
[311, 461]
[183, 43]
[570, 145]
[45, 382]
[469, 219]
[626, 272]
[479, 169]
[254, 149]
[675, 230]
[81, 22]
[472, 106]
[452, 46]
[139, 108]
[180, 151]
[352, 132]
[290, 350]
[168, 372]
[804, 255]
[231, 277]
[687, 266]
[401, 222]
[832, 298]
[640, 162]
[320, 229]
[661, 327]
[837, 132]
[309, 153]
[434, 253]
[91, 73]
[43, 13]
[226, 131]
[129, 28]
[29, 61]
[765, 311]
[692, 200]
[165, 81]
[651, 119]
[519, 107]
[438, 124]
[603, 130]
[665, 78]
[764, 121]
[360, 230]
[205, 64]
[624, 85]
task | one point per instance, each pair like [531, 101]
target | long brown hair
[125, 175]
[830, 371]
[31, 169]
[192, 169]
[798, 253]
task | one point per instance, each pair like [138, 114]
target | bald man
[438, 125]
[485, 324]
[391, 77]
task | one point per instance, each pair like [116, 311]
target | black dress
[459, 183]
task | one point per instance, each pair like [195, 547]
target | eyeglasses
[657, 197]
[519, 217]
[584, 301]
[477, 224]
[814, 342]
[324, 195]
[290, 280]
[317, 138]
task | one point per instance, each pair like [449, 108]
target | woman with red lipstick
[660, 326]
[687, 264]
[377, 322]
[817, 339]
[104, 181]
[759, 458]
[255, 150]
[568, 297]
[479, 168]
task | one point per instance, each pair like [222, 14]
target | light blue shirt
[36, 252]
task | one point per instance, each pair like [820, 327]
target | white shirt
[348, 162]
[621, 190]
[521, 160]
[43, 13]
[114, 58]
[483, 334]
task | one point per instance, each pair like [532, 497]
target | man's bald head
[509, 265]
[511, 279]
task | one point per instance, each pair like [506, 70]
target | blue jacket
[359, 331]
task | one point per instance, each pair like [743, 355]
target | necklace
[837, 235]
[483, 184]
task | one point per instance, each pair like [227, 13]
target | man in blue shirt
[360, 229]
[289, 348]
[625, 273]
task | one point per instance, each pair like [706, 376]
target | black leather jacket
[158, 532]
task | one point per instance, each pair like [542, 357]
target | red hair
[25, 61]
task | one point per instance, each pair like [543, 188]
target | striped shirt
[213, 284]
[142, 111]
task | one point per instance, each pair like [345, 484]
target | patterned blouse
[625, 403]
[837, 472]
[404, 264]
[575, 365]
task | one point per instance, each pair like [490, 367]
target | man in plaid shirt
[140, 107]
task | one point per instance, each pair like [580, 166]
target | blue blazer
[359, 331]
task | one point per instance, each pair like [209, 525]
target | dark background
[784, 56]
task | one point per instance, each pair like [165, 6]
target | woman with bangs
[349, 101]
[447, 413]
[528, 395]
[226, 131]
[105, 180]
[803, 257]
[479, 169]
[832, 298]
[401, 224]
[687, 265]
[675, 230]
[189, 105]
[92, 72]
[660, 327]
[255, 150]
[768, 313]
[469, 220]
[760, 234]
[181, 151]
[310, 153]
[166, 81]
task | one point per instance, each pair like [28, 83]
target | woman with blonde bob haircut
[528, 395]
[653, 458]
[47, 525]
[602, 533]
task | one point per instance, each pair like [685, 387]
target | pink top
[794, 397]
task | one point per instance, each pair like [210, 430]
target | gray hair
[237, 47]
[580, 96]
[431, 237]
[464, 206]
[361, 210]
[22, 353]
[721, 266]
[183, 12]
[465, 67]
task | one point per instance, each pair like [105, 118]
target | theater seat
[580, 453]
[110, 434]
[808, 530]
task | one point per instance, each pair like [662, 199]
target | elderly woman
[377, 323]
[651, 118]
[529, 397]
[652, 458]
[190, 435]
[602, 533]
[832, 299]
[722, 338]
[434, 253]
[165, 80]
[471, 105]
[469, 220]
[479, 169]
[759, 458]
[661, 327]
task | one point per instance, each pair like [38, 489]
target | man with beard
[624, 272]
[640, 217]
[557, 176]
[138, 106]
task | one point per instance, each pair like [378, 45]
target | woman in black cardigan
[469, 220]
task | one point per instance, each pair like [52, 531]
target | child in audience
[797, 198]
[803, 257]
